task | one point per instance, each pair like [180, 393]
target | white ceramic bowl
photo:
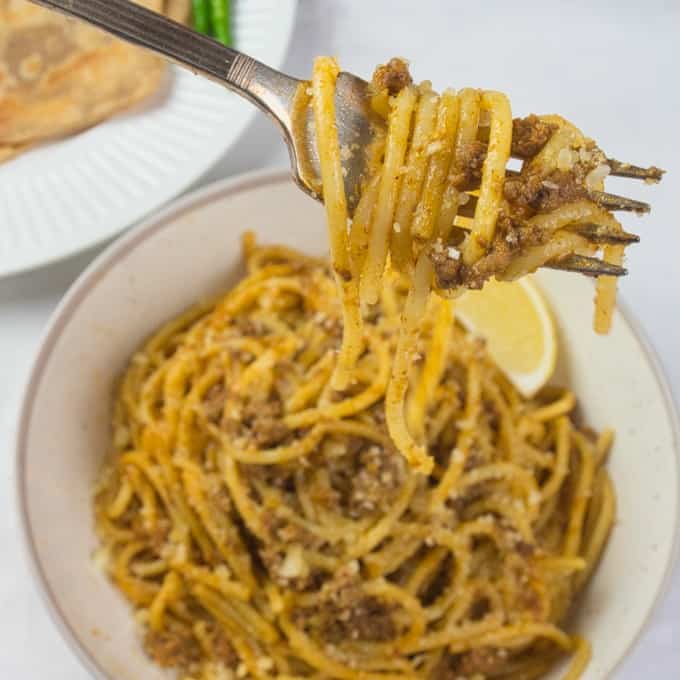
[191, 250]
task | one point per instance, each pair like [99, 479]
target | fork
[277, 94]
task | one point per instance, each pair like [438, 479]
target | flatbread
[178, 10]
[58, 76]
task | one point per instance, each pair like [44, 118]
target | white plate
[72, 194]
[193, 249]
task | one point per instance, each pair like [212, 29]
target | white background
[610, 67]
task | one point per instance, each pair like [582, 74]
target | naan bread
[58, 76]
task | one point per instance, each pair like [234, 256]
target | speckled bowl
[192, 249]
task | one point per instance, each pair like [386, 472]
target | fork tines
[614, 202]
[599, 233]
[589, 266]
[650, 174]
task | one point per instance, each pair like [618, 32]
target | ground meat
[222, 647]
[263, 422]
[485, 661]
[158, 536]
[469, 162]
[393, 76]
[213, 403]
[252, 327]
[285, 532]
[284, 537]
[448, 271]
[380, 473]
[220, 500]
[172, 649]
[529, 135]
[347, 613]
[543, 194]
[367, 619]
[525, 549]
[365, 477]
[479, 609]
[279, 476]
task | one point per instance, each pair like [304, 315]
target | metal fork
[278, 95]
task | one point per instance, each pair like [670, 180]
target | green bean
[221, 21]
[201, 14]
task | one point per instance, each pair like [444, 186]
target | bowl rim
[104, 263]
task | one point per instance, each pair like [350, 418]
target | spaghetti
[264, 525]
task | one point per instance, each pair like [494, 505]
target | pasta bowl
[192, 250]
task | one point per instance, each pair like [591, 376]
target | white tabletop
[611, 70]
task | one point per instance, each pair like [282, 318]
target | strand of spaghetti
[122, 500]
[466, 135]
[515, 514]
[399, 125]
[414, 310]
[433, 368]
[605, 292]
[217, 580]
[561, 467]
[280, 454]
[603, 524]
[425, 569]
[390, 557]
[412, 179]
[562, 406]
[493, 175]
[325, 74]
[507, 634]
[563, 563]
[361, 224]
[581, 659]
[316, 379]
[382, 528]
[138, 591]
[502, 471]
[170, 590]
[580, 497]
[460, 452]
[239, 494]
[561, 244]
[382, 589]
[365, 208]
[603, 446]
[571, 214]
[464, 634]
[440, 152]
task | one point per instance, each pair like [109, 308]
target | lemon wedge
[515, 320]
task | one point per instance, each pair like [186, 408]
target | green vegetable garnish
[201, 15]
[221, 20]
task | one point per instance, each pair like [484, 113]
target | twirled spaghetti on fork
[440, 207]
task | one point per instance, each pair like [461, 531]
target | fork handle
[201, 54]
